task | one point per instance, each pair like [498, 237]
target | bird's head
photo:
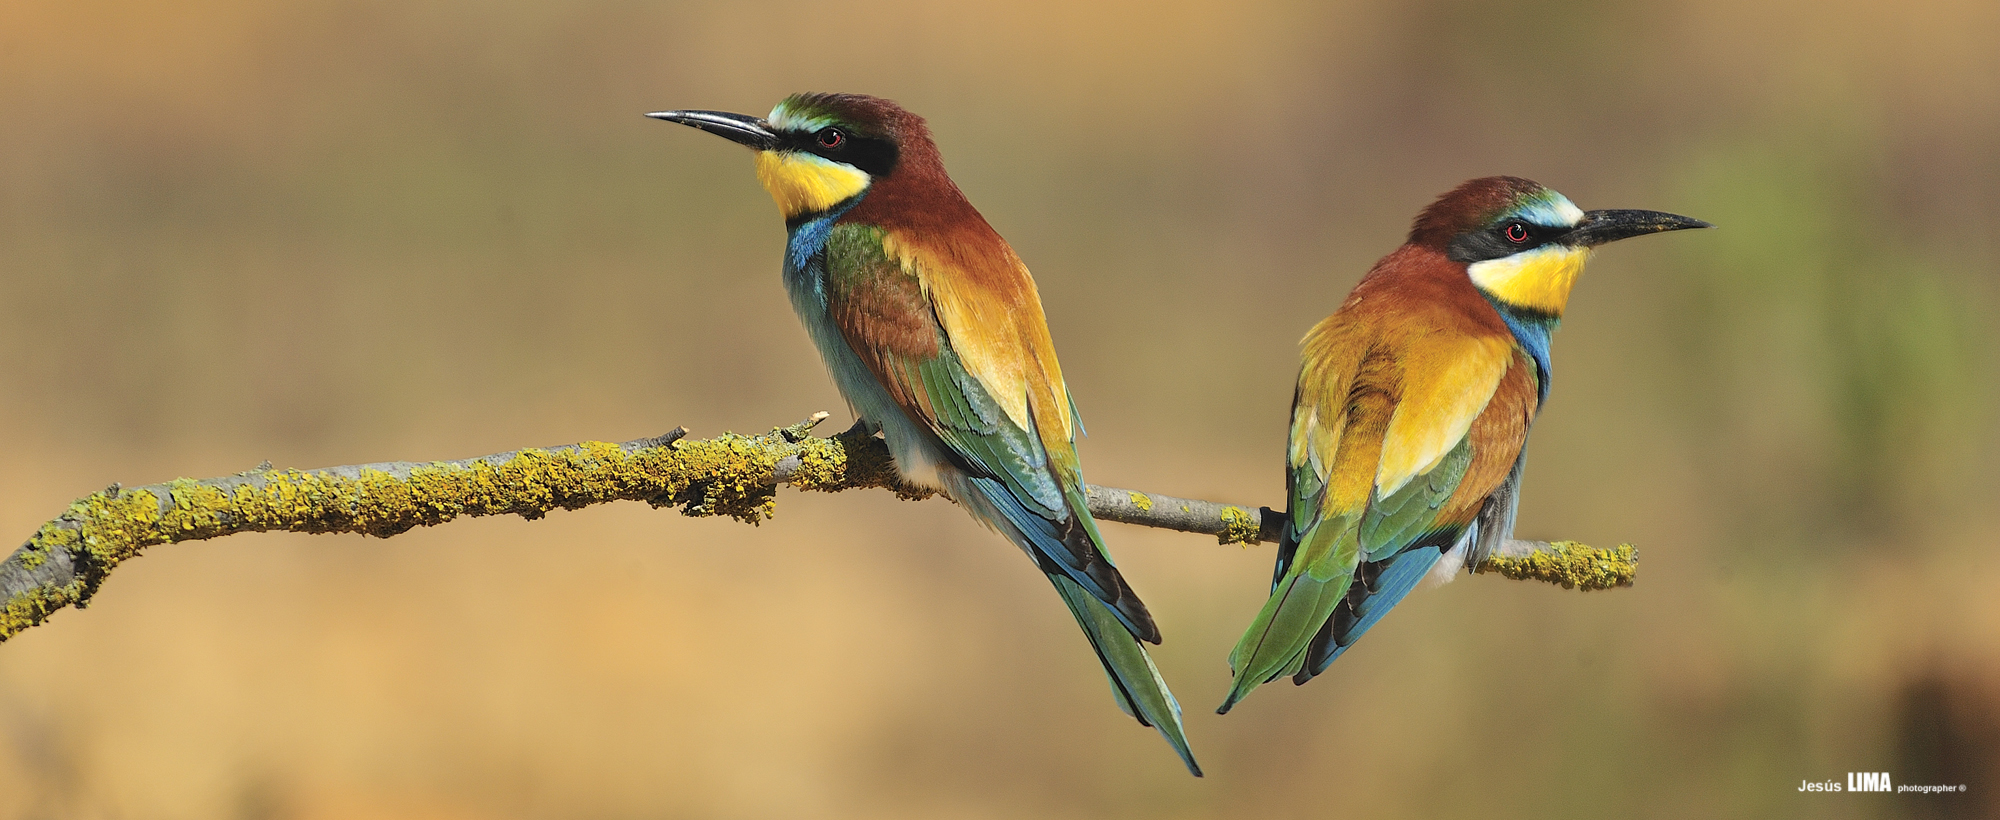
[1524, 244]
[817, 151]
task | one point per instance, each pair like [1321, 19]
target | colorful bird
[933, 331]
[1413, 402]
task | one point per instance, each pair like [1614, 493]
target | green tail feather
[1275, 644]
[1135, 682]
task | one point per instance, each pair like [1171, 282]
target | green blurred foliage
[336, 232]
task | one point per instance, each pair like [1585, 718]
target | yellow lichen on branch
[1570, 565]
[1239, 526]
[728, 475]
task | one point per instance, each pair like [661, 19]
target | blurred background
[326, 232]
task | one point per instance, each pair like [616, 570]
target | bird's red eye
[831, 138]
[1517, 233]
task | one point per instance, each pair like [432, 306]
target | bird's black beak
[738, 128]
[1599, 227]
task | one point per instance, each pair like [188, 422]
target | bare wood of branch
[70, 557]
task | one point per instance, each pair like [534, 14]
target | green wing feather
[1396, 522]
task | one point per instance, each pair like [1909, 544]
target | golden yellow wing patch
[1446, 382]
[989, 309]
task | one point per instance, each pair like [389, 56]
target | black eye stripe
[875, 156]
[1498, 240]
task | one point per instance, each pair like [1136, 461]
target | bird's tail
[1334, 611]
[1135, 682]
[1316, 578]
[1379, 586]
[1276, 642]
[1114, 633]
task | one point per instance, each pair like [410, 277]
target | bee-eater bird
[1413, 402]
[934, 333]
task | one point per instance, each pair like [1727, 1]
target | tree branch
[69, 558]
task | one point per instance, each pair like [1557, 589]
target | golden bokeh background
[336, 231]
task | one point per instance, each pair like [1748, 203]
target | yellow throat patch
[804, 183]
[1538, 280]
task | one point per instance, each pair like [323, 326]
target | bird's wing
[1388, 423]
[1403, 534]
[958, 340]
